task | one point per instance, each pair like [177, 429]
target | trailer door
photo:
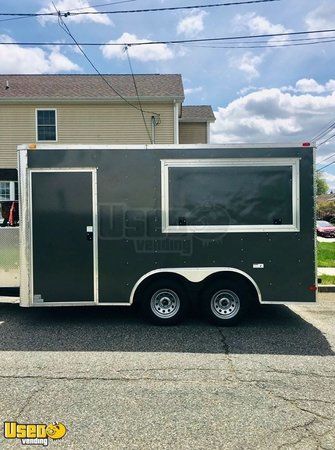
[63, 208]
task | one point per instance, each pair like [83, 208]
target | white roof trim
[161, 147]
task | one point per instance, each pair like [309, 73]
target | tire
[164, 302]
[225, 302]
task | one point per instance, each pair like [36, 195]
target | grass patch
[327, 279]
[326, 254]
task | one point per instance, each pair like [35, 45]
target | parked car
[325, 229]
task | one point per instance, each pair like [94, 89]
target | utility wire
[327, 140]
[178, 41]
[175, 8]
[330, 164]
[65, 28]
[231, 38]
[16, 18]
[29, 16]
[132, 11]
[260, 46]
[284, 41]
[325, 159]
[324, 131]
[234, 45]
[100, 5]
[111, 44]
[137, 94]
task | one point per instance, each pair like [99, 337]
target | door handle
[89, 233]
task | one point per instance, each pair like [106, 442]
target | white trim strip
[167, 164]
[195, 275]
[55, 304]
[272, 146]
[93, 171]
[12, 300]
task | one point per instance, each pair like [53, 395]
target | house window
[230, 195]
[8, 191]
[46, 123]
[9, 210]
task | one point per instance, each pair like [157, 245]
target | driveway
[118, 383]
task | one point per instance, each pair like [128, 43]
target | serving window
[230, 195]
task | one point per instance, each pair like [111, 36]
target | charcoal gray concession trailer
[170, 228]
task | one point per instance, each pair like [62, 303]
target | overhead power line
[283, 41]
[65, 28]
[324, 131]
[231, 38]
[284, 44]
[16, 18]
[178, 41]
[137, 94]
[32, 15]
[174, 8]
[327, 140]
[101, 5]
[327, 165]
[326, 159]
[147, 10]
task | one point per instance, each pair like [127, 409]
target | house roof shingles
[66, 87]
[202, 113]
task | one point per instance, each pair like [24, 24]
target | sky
[258, 95]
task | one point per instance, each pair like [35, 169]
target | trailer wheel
[225, 302]
[164, 302]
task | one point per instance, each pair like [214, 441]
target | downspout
[176, 122]
[208, 132]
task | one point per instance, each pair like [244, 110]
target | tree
[321, 184]
[326, 211]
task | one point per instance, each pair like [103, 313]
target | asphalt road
[118, 383]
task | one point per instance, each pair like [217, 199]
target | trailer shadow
[270, 330]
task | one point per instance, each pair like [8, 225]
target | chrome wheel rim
[225, 304]
[165, 303]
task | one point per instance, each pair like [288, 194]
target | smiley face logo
[55, 430]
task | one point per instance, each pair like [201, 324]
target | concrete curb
[326, 288]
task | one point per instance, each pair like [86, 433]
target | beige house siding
[82, 124]
[192, 133]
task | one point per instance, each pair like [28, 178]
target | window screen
[46, 125]
[5, 190]
[230, 195]
[8, 190]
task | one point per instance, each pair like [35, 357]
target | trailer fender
[195, 275]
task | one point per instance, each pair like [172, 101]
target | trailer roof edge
[37, 146]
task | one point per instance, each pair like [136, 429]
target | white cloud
[16, 59]
[322, 17]
[247, 90]
[271, 115]
[192, 24]
[159, 52]
[310, 86]
[330, 86]
[69, 5]
[247, 63]
[257, 24]
[195, 90]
